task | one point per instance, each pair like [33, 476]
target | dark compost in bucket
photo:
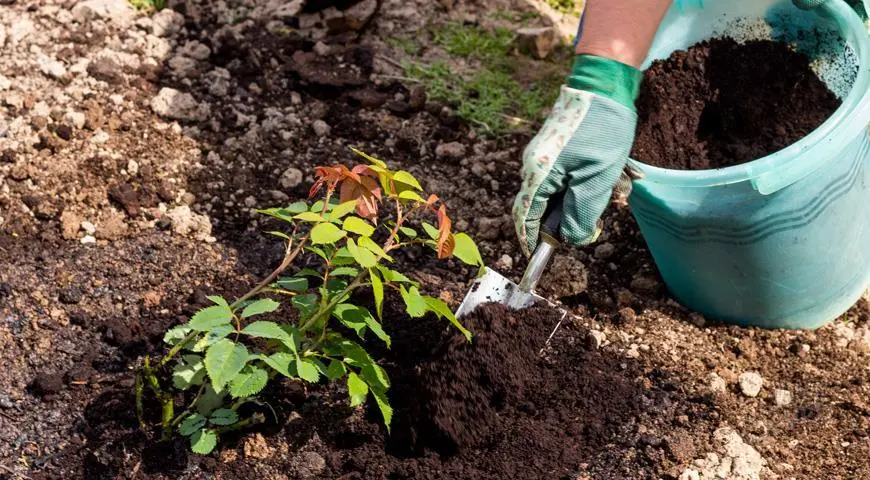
[723, 103]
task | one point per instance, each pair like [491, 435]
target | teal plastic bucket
[783, 241]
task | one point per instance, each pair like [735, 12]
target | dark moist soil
[723, 103]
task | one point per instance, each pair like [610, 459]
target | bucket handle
[775, 180]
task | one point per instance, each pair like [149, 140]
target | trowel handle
[546, 246]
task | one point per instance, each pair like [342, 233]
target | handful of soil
[723, 103]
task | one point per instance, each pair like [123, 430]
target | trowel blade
[492, 287]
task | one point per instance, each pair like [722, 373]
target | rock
[71, 295]
[20, 29]
[3, 35]
[645, 285]
[567, 276]
[595, 339]
[5, 83]
[151, 299]
[64, 131]
[690, 474]
[88, 227]
[69, 225]
[505, 262]
[74, 119]
[291, 178]
[166, 22]
[627, 315]
[256, 447]
[537, 41]
[47, 384]
[51, 67]
[88, 239]
[187, 223]
[118, 12]
[105, 69]
[132, 167]
[782, 398]
[747, 463]
[126, 196]
[195, 50]
[183, 67]
[218, 81]
[285, 10]
[321, 128]
[357, 16]
[178, 105]
[112, 228]
[450, 151]
[717, 384]
[308, 465]
[750, 383]
[604, 251]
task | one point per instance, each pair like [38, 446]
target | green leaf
[375, 376]
[383, 406]
[210, 400]
[176, 334]
[414, 302]
[369, 244]
[189, 372]
[294, 284]
[408, 232]
[364, 257]
[317, 206]
[319, 251]
[264, 329]
[354, 354]
[350, 317]
[309, 217]
[248, 382]
[307, 370]
[357, 389]
[212, 336]
[191, 424]
[306, 304]
[295, 337]
[392, 276]
[224, 360]
[297, 207]
[218, 300]
[203, 441]
[335, 370]
[378, 291]
[411, 195]
[307, 272]
[404, 177]
[466, 250]
[326, 233]
[279, 235]
[430, 230]
[280, 361]
[261, 306]
[441, 309]
[342, 210]
[279, 213]
[344, 272]
[210, 317]
[370, 158]
[224, 416]
[359, 226]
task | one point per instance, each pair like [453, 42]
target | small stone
[105, 69]
[178, 105]
[718, 384]
[604, 251]
[782, 398]
[321, 128]
[75, 119]
[279, 196]
[750, 383]
[151, 299]
[595, 339]
[167, 22]
[690, 474]
[627, 315]
[450, 151]
[88, 239]
[256, 447]
[88, 227]
[295, 98]
[70, 295]
[47, 384]
[291, 178]
[5, 83]
[132, 167]
[308, 465]
[196, 50]
[113, 227]
[250, 201]
[229, 456]
[70, 223]
[187, 223]
[505, 262]
[537, 41]
[120, 13]
[52, 68]
[645, 285]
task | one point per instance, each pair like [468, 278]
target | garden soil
[124, 204]
[722, 103]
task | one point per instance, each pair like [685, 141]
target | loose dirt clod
[721, 103]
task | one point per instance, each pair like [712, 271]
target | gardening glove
[580, 152]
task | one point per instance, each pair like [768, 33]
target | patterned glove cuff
[607, 78]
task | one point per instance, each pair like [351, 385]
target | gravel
[750, 383]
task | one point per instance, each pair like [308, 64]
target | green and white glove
[580, 152]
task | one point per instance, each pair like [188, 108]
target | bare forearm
[621, 30]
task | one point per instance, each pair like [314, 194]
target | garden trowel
[492, 287]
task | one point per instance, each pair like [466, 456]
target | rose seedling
[293, 323]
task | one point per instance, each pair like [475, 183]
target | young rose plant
[286, 325]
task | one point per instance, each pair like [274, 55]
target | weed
[290, 325]
[148, 5]
[573, 7]
[474, 42]
[405, 44]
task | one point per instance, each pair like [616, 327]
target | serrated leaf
[319, 251]
[406, 178]
[297, 207]
[415, 305]
[203, 441]
[295, 337]
[350, 317]
[224, 416]
[306, 304]
[307, 272]
[392, 276]
[210, 317]
[359, 226]
[176, 334]
[335, 370]
[372, 246]
[364, 257]
[342, 209]
[344, 272]
[279, 213]
[466, 250]
[210, 400]
[375, 376]
[218, 300]
[412, 196]
[354, 354]
[378, 291]
[280, 362]
[438, 307]
[357, 389]
[265, 329]
[189, 372]
[248, 382]
[261, 306]
[212, 336]
[294, 284]
[224, 360]
[383, 406]
[326, 233]
[191, 424]
[307, 370]
[309, 217]
[408, 232]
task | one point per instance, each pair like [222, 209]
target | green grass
[472, 41]
[148, 5]
[567, 6]
[405, 44]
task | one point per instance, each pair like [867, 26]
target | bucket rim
[854, 112]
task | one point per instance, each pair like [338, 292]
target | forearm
[621, 30]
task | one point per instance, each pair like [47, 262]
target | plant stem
[140, 409]
[254, 419]
[289, 256]
[335, 300]
[168, 407]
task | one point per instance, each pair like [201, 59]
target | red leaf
[367, 193]
[431, 200]
[446, 242]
